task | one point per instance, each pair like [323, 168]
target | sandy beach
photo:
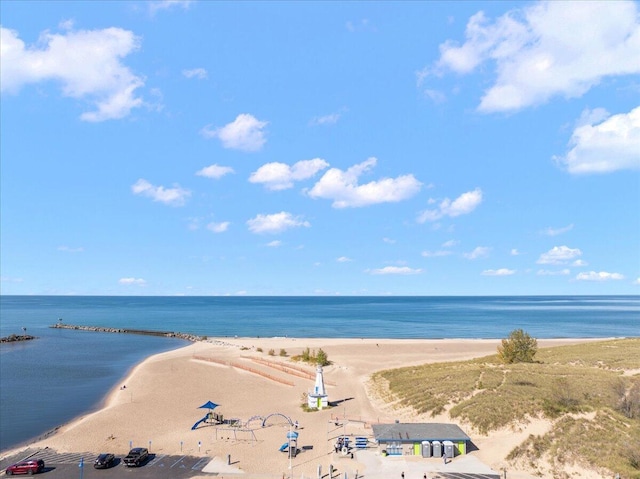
[158, 403]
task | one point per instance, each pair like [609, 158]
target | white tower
[317, 399]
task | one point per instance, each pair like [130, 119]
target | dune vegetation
[590, 392]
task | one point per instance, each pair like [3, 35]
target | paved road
[66, 466]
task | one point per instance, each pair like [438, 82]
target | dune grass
[578, 387]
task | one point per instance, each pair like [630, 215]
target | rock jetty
[100, 329]
[14, 338]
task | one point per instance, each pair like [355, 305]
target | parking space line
[177, 462]
[197, 466]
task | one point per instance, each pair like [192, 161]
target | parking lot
[67, 466]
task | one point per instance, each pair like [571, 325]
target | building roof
[415, 432]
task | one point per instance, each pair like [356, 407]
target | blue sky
[320, 148]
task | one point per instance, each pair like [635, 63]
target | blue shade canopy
[209, 405]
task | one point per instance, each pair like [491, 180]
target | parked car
[26, 467]
[136, 457]
[104, 461]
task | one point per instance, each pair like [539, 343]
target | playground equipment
[292, 444]
[210, 417]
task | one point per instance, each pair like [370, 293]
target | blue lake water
[64, 373]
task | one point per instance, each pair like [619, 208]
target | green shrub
[519, 347]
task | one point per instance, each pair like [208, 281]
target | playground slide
[201, 420]
[284, 447]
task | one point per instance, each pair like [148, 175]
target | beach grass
[576, 387]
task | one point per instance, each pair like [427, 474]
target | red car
[26, 467]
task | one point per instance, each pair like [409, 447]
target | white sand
[162, 395]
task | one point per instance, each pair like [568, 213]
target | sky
[319, 148]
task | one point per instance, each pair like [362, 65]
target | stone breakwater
[13, 338]
[100, 329]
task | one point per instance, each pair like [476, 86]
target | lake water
[64, 373]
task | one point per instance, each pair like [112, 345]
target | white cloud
[344, 259]
[158, 5]
[330, 119]
[557, 231]
[601, 276]
[342, 187]
[478, 252]
[579, 263]
[275, 223]
[514, 252]
[136, 281]
[171, 196]
[604, 146]
[245, 133]
[450, 243]
[389, 240]
[280, 176]
[436, 254]
[559, 255]
[218, 227]
[546, 272]
[274, 244]
[402, 270]
[498, 272]
[637, 281]
[87, 64]
[214, 171]
[68, 249]
[463, 204]
[199, 73]
[542, 51]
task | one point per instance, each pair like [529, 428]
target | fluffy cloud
[275, 223]
[538, 55]
[331, 119]
[136, 281]
[436, 254]
[342, 187]
[215, 171]
[498, 272]
[402, 270]
[478, 252]
[545, 272]
[604, 146]
[218, 227]
[559, 255]
[557, 231]
[245, 133]
[170, 196]
[87, 64]
[344, 259]
[158, 5]
[463, 204]
[199, 73]
[280, 176]
[600, 276]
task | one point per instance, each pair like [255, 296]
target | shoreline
[354, 360]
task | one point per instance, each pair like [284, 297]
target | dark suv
[26, 467]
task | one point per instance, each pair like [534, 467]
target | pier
[147, 332]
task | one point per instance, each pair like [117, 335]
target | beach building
[421, 439]
[318, 398]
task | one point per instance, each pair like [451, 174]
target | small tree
[519, 347]
[322, 359]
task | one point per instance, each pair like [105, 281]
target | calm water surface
[64, 373]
